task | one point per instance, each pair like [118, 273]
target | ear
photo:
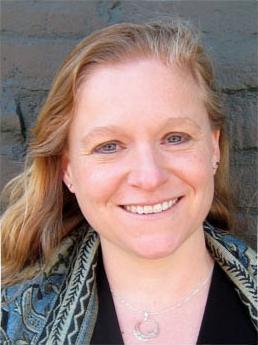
[67, 172]
[215, 145]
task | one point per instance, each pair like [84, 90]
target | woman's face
[141, 156]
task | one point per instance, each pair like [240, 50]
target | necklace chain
[176, 305]
[148, 328]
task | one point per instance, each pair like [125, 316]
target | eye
[108, 148]
[177, 138]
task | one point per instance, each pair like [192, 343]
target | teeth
[140, 209]
[165, 205]
[133, 209]
[148, 209]
[157, 208]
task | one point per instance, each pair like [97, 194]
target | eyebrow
[177, 121]
[112, 129]
[100, 131]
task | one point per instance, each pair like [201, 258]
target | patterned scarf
[60, 306]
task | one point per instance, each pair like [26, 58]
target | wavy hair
[41, 210]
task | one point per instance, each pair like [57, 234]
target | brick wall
[37, 35]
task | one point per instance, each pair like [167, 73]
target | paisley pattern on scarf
[38, 311]
[59, 307]
[239, 263]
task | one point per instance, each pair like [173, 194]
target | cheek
[195, 169]
[196, 174]
[97, 183]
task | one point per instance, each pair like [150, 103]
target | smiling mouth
[151, 209]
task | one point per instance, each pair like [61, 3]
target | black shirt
[225, 320]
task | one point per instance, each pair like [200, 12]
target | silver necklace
[148, 327]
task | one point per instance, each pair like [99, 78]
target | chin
[156, 249]
[154, 255]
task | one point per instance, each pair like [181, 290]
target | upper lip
[151, 202]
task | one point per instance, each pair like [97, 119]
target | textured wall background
[37, 35]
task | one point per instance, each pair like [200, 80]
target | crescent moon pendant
[146, 329]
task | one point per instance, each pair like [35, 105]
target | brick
[32, 63]
[236, 71]
[246, 227]
[11, 155]
[8, 116]
[49, 18]
[30, 105]
[9, 169]
[244, 178]
[227, 27]
[24, 17]
[241, 112]
[73, 20]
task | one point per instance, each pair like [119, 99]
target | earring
[216, 165]
[70, 185]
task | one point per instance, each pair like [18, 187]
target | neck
[157, 281]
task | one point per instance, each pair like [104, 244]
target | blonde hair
[41, 210]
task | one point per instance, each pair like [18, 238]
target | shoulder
[238, 261]
[27, 306]
[227, 248]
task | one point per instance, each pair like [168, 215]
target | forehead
[139, 68]
[138, 88]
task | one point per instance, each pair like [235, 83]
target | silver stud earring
[70, 185]
[216, 165]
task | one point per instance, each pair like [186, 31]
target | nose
[147, 171]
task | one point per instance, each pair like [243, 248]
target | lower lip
[152, 216]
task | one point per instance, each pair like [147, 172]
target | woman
[129, 152]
